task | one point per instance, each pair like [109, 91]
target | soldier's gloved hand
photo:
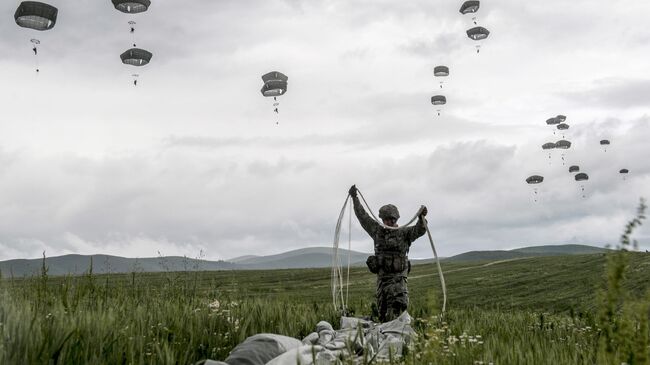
[424, 212]
[353, 191]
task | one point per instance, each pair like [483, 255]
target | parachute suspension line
[37, 63]
[132, 31]
[433, 247]
[35, 42]
[276, 109]
[347, 280]
[337, 277]
[442, 277]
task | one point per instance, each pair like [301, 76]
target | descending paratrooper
[478, 34]
[471, 7]
[553, 122]
[563, 145]
[441, 71]
[624, 172]
[37, 16]
[562, 127]
[438, 100]
[275, 85]
[582, 177]
[604, 143]
[534, 180]
[548, 146]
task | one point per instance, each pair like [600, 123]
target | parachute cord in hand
[442, 277]
[347, 280]
[337, 277]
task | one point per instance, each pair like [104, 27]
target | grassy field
[541, 310]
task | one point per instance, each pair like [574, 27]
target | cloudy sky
[192, 160]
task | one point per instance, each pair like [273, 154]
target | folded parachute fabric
[260, 349]
[326, 346]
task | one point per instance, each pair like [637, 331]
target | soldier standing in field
[390, 261]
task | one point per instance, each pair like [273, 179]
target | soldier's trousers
[392, 297]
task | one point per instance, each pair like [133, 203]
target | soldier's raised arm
[419, 229]
[368, 224]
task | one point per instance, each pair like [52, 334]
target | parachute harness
[338, 299]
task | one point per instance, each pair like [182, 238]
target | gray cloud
[613, 93]
[192, 159]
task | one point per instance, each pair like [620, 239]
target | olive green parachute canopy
[438, 100]
[561, 118]
[470, 6]
[478, 33]
[552, 121]
[624, 171]
[275, 84]
[574, 168]
[36, 15]
[562, 126]
[548, 146]
[582, 177]
[131, 6]
[136, 57]
[563, 144]
[388, 211]
[604, 142]
[441, 71]
[534, 179]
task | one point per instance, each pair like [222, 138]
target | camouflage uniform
[390, 262]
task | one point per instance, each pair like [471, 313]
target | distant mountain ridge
[550, 250]
[311, 257]
[557, 249]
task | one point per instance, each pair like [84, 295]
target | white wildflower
[214, 305]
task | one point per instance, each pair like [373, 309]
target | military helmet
[388, 211]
